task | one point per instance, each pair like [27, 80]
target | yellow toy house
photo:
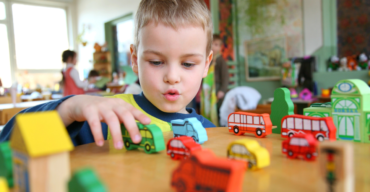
[41, 146]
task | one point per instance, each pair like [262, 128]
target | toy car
[182, 147]
[152, 138]
[250, 151]
[191, 127]
[300, 145]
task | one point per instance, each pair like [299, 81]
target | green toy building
[85, 180]
[280, 107]
[350, 109]
[6, 163]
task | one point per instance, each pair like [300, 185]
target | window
[323, 126]
[176, 143]
[5, 72]
[237, 148]
[284, 124]
[243, 118]
[244, 151]
[315, 125]
[189, 127]
[2, 11]
[257, 120]
[237, 118]
[142, 133]
[231, 118]
[149, 134]
[303, 142]
[294, 141]
[262, 122]
[298, 123]
[307, 124]
[40, 35]
[290, 123]
[249, 119]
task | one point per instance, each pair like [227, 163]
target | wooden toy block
[318, 110]
[191, 127]
[152, 138]
[300, 145]
[258, 124]
[350, 110]
[86, 180]
[3, 185]
[280, 107]
[320, 128]
[40, 145]
[6, 165]
[336, 165]
[182, 147]
[248, 150]
[203, 171]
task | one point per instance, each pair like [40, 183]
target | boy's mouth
[171, 95]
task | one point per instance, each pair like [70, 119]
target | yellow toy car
[250, 151]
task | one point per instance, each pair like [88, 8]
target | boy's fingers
[128, 120]
[92, 118]
[140, 116]
[114, 126]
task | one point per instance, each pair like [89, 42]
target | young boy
[171, 55]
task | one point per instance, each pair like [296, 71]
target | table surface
[135, 170]
[22, 104]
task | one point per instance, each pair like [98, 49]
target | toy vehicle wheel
[291, 154]
[320, 138]
[308, 156]
[180, 186]
[172, 155]
[259, 132]
[147, 148]
[290, 134]
[237, 131]
[127, 144]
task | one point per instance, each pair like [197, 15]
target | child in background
[71, 80]
[171, 54]
[215, 84]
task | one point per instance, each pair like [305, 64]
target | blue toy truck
[189, 127]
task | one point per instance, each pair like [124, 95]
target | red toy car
[203, 171]
[182, 147]
[300, 145]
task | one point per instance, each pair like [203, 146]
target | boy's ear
[208, 62]
[134, 59]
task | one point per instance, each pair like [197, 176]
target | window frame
[71, 20]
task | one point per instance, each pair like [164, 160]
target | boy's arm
[52, 105]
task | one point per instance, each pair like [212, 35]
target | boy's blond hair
[174, 13]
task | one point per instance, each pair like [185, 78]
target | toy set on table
[212, 173]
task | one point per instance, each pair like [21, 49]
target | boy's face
[216, 46]
[171, 64]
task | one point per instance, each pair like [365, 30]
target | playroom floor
[123, 170]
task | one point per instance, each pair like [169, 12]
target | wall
[93, 15]
[312, 26]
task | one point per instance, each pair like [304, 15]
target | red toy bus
[242, 122]
[203, 171]
[300, 145]
[320, 128]
[182, 147]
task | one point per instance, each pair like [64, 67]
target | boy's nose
[172, 77]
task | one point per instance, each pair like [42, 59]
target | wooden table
[15, 109]
[123, 170]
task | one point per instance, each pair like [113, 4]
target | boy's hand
[220, 94]
[112, 111]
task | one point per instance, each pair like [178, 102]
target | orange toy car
[203, 171]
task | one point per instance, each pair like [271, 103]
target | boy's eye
[155, 62]
[187, 65]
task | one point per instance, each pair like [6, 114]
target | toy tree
[280, 107]
[86, 180]
[6, 165]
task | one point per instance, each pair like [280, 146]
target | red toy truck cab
[182, 147]
[242, 122]
[300, 145]
[203, 171]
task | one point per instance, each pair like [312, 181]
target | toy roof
[38, 134]
[351, 86]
